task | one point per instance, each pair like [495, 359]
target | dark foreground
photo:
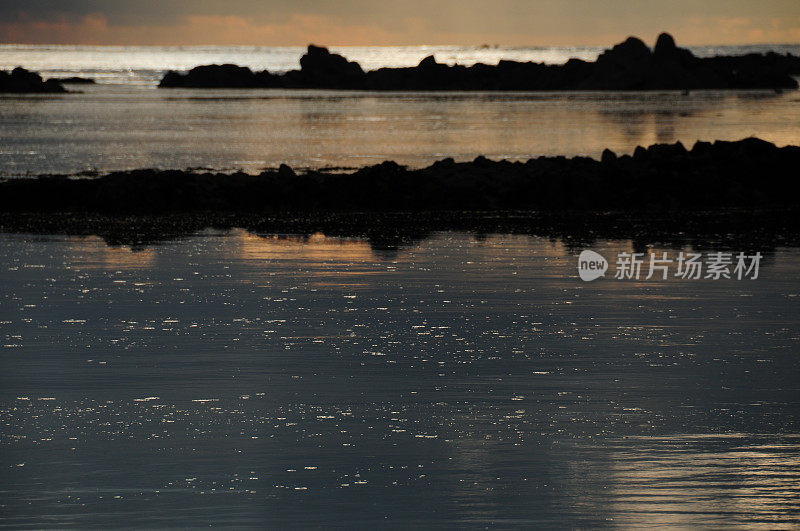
[247, 381]
[748, 174]
[630, 65]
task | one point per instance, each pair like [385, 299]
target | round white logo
[591, 265]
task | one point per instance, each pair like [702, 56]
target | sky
[376, 22]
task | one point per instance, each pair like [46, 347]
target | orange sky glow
[543, 22]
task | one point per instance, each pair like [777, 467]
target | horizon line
[330, 45]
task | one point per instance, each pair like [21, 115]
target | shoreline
[741, 190]
[756, 230]
[749, 173]
[630, 65]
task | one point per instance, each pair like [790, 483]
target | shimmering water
[125, 122]
[240, 380]
[124, 127]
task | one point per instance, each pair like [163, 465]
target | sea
[126, 122]
[230, 378]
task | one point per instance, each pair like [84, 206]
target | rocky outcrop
[627, 66]
[321, 69]
[220, 76]
[20, 80]
[749, 174]
[74, 80]
[630, 65]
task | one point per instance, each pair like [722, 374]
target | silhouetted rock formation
[751, 174]
[630, 65]
[319, 67]
[21, 80]
[221, 76]
[74, 80]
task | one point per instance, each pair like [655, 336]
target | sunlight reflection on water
[119, 128]
[243, 380]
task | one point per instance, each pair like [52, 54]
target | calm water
[125, 122]
[118, 127]
[241, 380]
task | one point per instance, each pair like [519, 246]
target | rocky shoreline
[20, 80]
[743, 193]
[630, 65]
[750, 174]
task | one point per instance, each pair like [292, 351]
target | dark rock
[748, 174]
[670, 59]
[627, 54]
[24, 81]
[608, 156]
[665, 45]
[629, 65]
[428, 62]
[449, 162]
[666, 150]
[390, 165]
[220, 76]
[75, 80]
[701, 148]
[321, 69]
[756, 146]
[286, 171]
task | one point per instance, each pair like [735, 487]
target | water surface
[126, 123]
[120, 127]
[241, 380]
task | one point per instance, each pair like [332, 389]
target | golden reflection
[315, 249]
[682, 486]
[94, 253]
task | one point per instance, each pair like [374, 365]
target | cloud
[739, 30]
[353, 22]
[299, 29]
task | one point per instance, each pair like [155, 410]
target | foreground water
[240, 380]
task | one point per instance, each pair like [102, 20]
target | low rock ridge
[74, 80]
[750, 174]
[630, 65]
